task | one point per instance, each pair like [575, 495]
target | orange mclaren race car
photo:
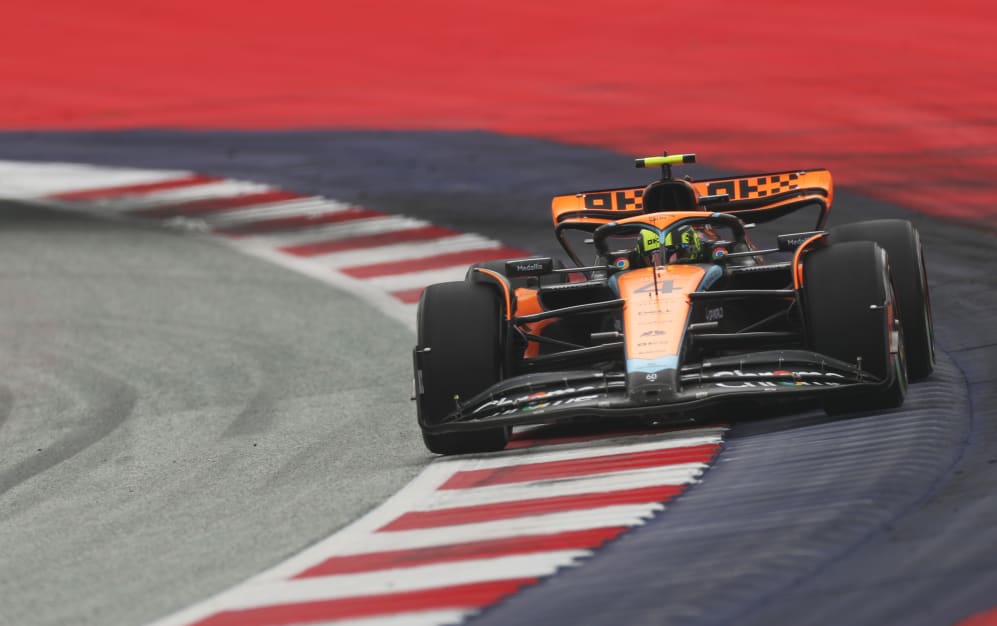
[676, 310]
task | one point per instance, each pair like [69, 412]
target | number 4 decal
[664, 286]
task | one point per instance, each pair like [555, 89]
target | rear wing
[753, 198]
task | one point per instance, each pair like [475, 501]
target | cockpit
[636, 243]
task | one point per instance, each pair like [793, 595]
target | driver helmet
[684, 243]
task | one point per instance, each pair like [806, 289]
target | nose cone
[652, 381]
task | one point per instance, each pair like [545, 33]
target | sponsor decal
[715, 314]
[529, 267]
[734, 188]
[792, 241]
[622, 263]
[763, 374]
[755, 268]
[664, 286]
[780, 377]
[623, 200]
[649, 240]
[754, 187]
[651, 377]
[538, 397]
[719, 253]
[649, 303]
[537, 401]
[768, 384]
[653, 333]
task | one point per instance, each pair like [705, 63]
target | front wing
[549, 397]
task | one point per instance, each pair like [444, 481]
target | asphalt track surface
[149, 364]
[175, 416]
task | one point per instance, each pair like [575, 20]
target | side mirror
[524, 268]
[790, 242]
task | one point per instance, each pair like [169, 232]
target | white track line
[402, 579]
[33, 180]
[402, 252]
[414, 280]
[131, 203]
[305, 207]
[420, 618]
[550, 455]
[353, 228]
[544, 524]
[683, 474]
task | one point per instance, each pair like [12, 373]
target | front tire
[902, 243]
[459, 353]
[849, 306]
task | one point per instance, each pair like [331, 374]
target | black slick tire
[849, 306]
[459, 354]
[902, 243]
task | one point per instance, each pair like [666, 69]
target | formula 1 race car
[674, 309]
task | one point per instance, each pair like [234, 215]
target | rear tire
[847, 285]
[460, 325]
[902, 243]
